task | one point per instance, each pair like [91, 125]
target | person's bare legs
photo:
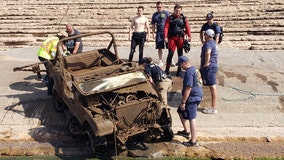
[193, 130]
[213, 90]
[185, 123]
[160, 54]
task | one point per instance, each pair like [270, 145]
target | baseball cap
[145, 60]
[209, 16]
[182, 59]
[210, 32]
[63, 34]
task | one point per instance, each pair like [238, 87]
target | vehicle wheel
[74, 127]
[168, 133]
[151, 135]
[96, 145]
[58, 104]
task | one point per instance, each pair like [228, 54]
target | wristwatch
[182, 102]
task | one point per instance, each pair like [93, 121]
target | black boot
[167, 70]
[178, 74]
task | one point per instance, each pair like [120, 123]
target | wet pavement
[250, 108]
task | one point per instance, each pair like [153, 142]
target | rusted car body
[107, 97]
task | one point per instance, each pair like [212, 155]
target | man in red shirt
[175, 32]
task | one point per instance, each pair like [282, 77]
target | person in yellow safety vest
[47, 52]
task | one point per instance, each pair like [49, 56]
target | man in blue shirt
[210, 24]
[158, 23]
[158, 78]
[191, 97]
[209, 68]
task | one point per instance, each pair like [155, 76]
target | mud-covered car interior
[105, 97]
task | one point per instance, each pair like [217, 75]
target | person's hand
[182, 106]
[66, 53]
[53, 54]
[166, 40]
[206, 64]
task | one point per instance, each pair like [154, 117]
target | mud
[207, 150]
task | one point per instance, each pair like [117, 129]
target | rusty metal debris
[105, 97]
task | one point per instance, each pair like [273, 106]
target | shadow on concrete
[36, 109]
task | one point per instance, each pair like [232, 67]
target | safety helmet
[186, 46]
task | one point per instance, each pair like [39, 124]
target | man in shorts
[191, 97]
[158, 23]
[209, 68]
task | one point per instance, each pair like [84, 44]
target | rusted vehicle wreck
[106, 97]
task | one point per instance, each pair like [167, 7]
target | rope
[250, 94]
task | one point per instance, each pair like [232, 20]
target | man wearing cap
[191, 97]
[209, 68]
[175, 32]
[47, 52]
[158, 78]
[210, 24]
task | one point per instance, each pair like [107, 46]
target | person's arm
[153, 25]
[217, 34]
[153, 30]
[187, 29]
[217, 38]
[148, 29]
[151, 81]
[166, 29]
[63, 47]
[201, 35]
[185, 97]
[207, 57]
[131, 29]
[76, 47]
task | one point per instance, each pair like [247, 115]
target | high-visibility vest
[47, 47]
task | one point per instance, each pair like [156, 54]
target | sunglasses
[159, 7]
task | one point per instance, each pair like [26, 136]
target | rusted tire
[74, 128]
[167, 134]
[58, 104]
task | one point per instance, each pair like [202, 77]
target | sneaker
[173, 63]
[210, 111]
[183, 133]
[190, 144]
[161, 64]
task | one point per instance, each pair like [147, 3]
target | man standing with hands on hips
[209, 68]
